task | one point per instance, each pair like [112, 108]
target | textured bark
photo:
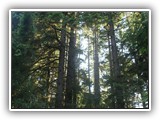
[116, 68]
[111, 74]
[89, 86]
[60, 80]
[74, 87]
[96, 72]
[89, 81]
[70, 72]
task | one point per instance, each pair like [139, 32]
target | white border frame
[89, 10]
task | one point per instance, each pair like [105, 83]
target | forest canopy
[80, 60]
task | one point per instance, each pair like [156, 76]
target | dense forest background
[91, 60]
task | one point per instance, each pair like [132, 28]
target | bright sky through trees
[80, 60]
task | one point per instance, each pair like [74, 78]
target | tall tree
[89, 79]
[116, 68]
[71, 70]
[111, 73]
[60, 80]
[49, 71]
[22, 36]
[96, 70]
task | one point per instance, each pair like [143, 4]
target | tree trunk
[118, 88]
[96, 72]
[75, 82]
[111, 74]
[60, 80]
[70, 72]
[89, 81]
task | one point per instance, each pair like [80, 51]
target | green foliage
[36, 43]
